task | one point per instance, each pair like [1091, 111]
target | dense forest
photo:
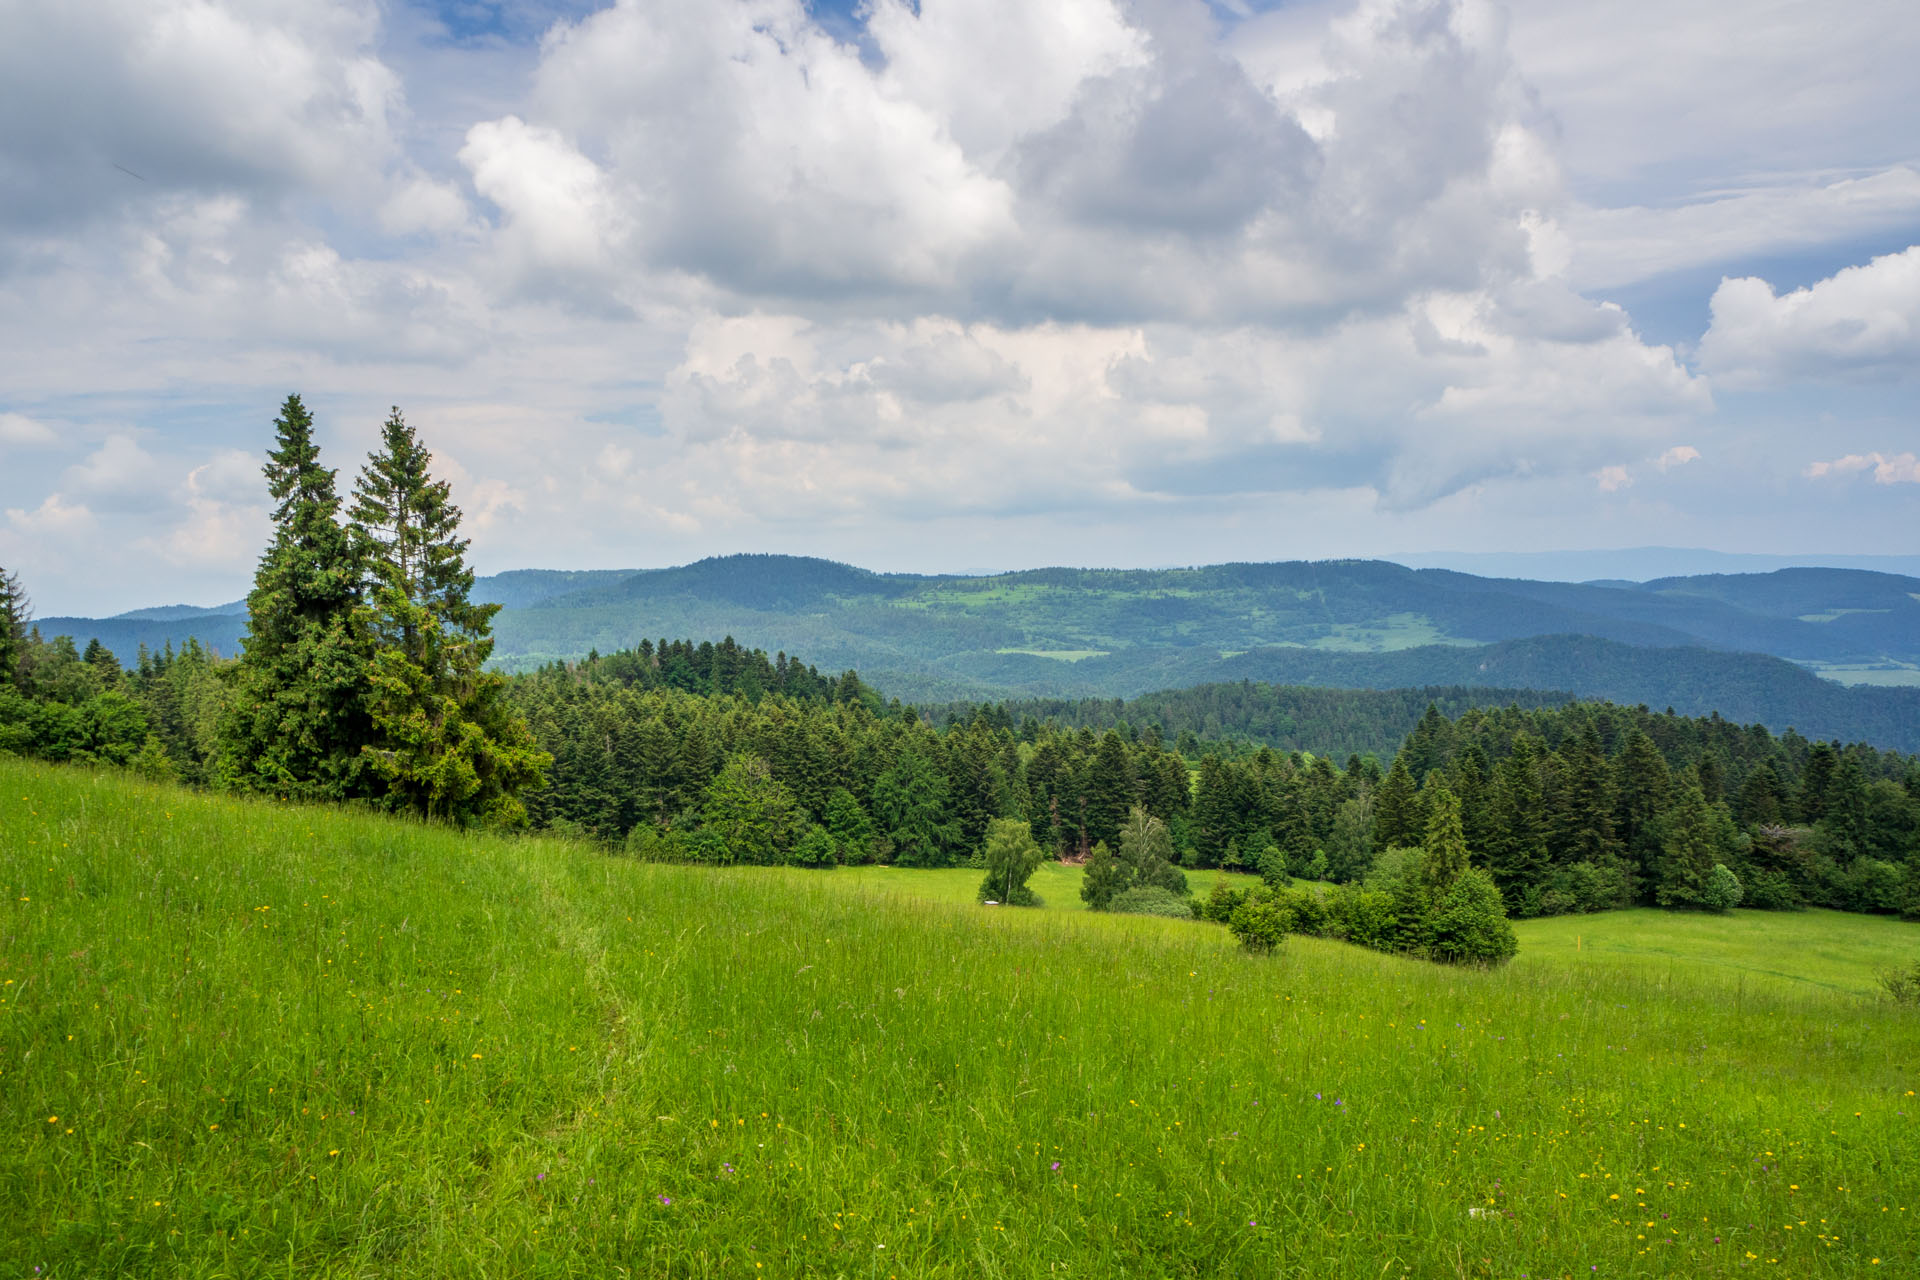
[1241, 717]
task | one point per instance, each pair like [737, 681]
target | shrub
[1721, 891]
[1220, 904]
[1773, 891]
[1261, 921]
[1469, 924]
[814, 849]
[1310, 911]
[1151, 900]
[1903, 983]
[648, 843]
[1364, 916]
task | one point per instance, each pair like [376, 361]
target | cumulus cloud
[1678, 456]
[140, 99]
[1899, 468]
[1861, 322]
[20, 431]
[1613, 479]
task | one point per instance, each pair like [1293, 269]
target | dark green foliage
[1397, 822]
[1469, 923]
[851, 828]
[1151, 900]
[444, 739]
[298, 724]
[16, 611]
[911, 810]
[816, 848]
[1445, 845]
[750, 813]
[1011, 858]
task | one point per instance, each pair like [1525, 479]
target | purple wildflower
[665, 1198]
[1055, 1165]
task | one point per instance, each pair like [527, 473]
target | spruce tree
[1517, 850]
[1445, 844]
[1395, 806]
[298, 721]
[15, 612]
[447, 742]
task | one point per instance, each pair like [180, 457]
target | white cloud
[1613, 479]
[119, 472]
[22, 432]
[133, 100]
[1899, 468]
[54, 517]
[1678, 456]
[1861, 322]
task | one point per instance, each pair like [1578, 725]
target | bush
[1469, 924]
[1365, 917]
[1903, 983]
[1591, 887]
[1151, 900]
[1773, 891]
[814, 849]
[1220, 904]
[1261, 922]
[1721, 891]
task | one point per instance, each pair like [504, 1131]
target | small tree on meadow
[1722, 891]
[1104, 878]
[1469, 925]
[1011, 857]
[1146, 854]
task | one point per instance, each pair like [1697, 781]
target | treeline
[1576, 808]
[1589, 807]
[1239, 718]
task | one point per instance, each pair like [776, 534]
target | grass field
[241, 1039]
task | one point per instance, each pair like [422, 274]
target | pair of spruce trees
[363, 675]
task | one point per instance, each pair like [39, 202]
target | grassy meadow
[241, 1039]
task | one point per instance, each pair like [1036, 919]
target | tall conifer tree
[15, 612]
[447, 742]
[299, 719]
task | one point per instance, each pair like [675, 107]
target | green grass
[250, 1040]
[1057, 884]
[1829, 950]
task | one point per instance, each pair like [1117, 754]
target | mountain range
[1752, 646]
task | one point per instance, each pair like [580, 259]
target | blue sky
[972, 282]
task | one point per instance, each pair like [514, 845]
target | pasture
[249, 1039]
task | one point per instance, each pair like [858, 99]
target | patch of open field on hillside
[248, 1039]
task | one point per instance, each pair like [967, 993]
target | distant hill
[1725, 642]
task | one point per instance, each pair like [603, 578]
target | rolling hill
[1746, 645]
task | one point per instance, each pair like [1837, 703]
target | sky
[961, 284]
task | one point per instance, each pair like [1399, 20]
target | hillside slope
[245, 1039]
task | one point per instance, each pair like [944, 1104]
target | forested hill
[1738, 644]
[1250, 715]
